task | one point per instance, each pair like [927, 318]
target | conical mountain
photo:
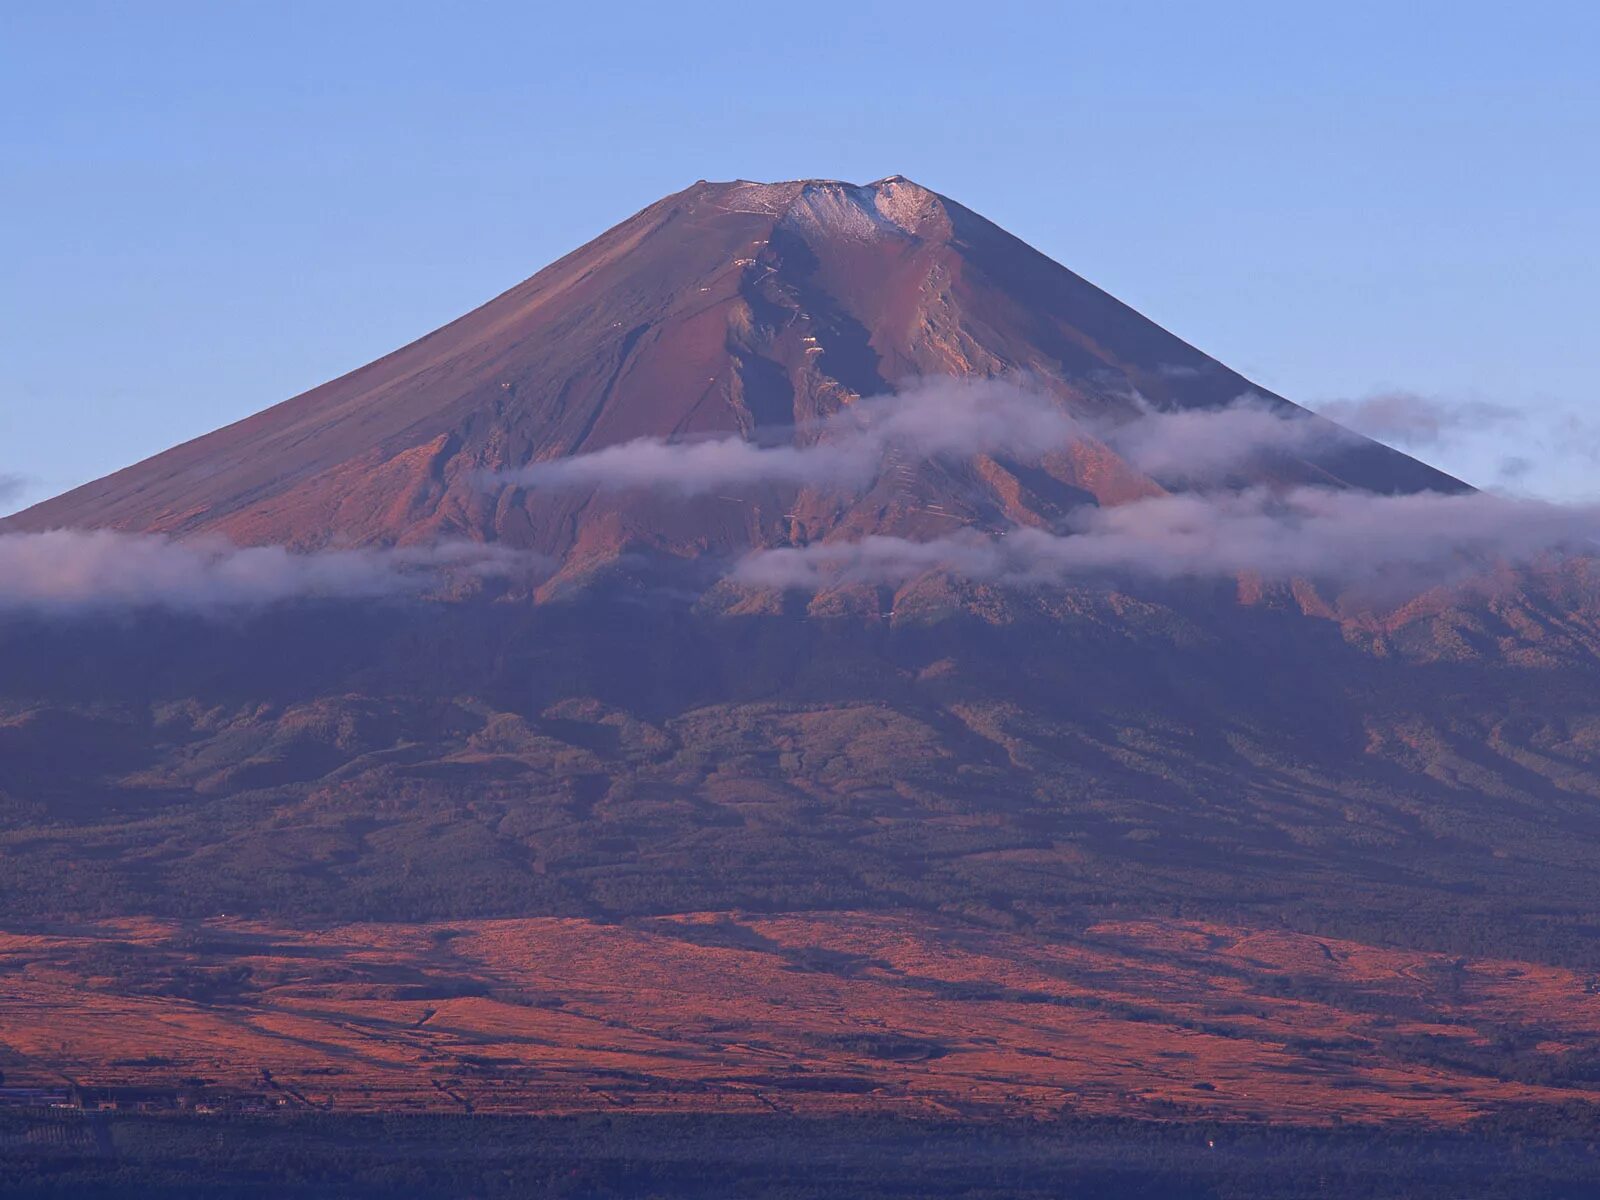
[727, 308]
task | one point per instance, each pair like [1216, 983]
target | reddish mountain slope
[731, 307]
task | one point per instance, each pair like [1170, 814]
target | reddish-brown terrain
[806, 1014]
[1214, 847]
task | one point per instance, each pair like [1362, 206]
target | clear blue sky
[207, 207]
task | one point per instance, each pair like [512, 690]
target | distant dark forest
[1430, 785]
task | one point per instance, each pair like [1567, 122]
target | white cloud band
[76, 570]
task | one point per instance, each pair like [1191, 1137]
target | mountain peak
[893, 203]
[812, 182]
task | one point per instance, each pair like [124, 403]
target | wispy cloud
[944, 419]
[1342, 536]
[698, 467]
[66, 571]
[936, 419]
[1346, 537]
[1539, 447]
[1412, 419]
[12, 488]
[1202, 444]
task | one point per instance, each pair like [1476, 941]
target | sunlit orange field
[806, 1014]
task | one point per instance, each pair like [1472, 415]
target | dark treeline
[625, 760]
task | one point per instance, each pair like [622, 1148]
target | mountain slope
[735, 308]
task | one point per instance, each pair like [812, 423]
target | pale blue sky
[207, 207]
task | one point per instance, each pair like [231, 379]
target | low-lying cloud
[945, 419]
[1208, 443]
[932, 420]
[68, 571]
[1412, 419]
[1476, 438]
[12, 488]
[1344, 537]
